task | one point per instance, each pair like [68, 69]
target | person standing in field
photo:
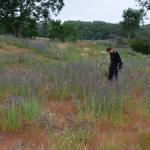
[115, 64]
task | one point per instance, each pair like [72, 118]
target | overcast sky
[102, 10]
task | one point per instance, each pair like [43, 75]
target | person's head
[109, 50]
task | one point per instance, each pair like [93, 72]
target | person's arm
[120, 64]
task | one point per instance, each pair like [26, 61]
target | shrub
[140, 46]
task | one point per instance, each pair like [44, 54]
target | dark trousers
[113, 73]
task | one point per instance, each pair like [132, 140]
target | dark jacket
[115, 62]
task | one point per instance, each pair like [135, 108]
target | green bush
[140, 46]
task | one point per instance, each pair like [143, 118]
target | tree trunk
[129, 37]
[16, 31]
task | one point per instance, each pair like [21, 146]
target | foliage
[144, 33]
[15, 15]
[43, 29]
[97, 30]
[56, 30]
[29, 28]
[132, 20]
[141, 46]
[65, 31]
[71, 31]
[144, 3]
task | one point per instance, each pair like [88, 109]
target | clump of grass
[144, 141]
[31, 110]
[61, 142]
[60, 94]
[10, 118]
[100, 107]
[13, 115]
[71, 139]
[109, 145]
[26, 59]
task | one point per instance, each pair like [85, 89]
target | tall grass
[92, 93]
[45, 48]
[71, 139]
[81, 80]
[31, 110]
[12, 116]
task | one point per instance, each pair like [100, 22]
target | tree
[132, 20]
[144, 33]
[70, 31]
[97, 30]
[62, 31]
[43, 29]
[56, 30]
[14, 13]
[29, 28]
[144, 3]
[140, 45]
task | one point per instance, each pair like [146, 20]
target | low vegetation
[141, 46]
[59, 90]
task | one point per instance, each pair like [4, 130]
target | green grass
[13, 115]
[10, 118]
[70, 70]
[60, 94]
[31, 110]
[89, 107]
[109, 146]
[71, 139]
[144, 141]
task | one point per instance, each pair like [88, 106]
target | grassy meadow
[55, 96]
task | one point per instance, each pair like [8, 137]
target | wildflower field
[55, 96]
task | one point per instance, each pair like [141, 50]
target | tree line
[32, 18]
[96, 30]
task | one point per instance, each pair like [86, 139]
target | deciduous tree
[13, 13]
[132, 20]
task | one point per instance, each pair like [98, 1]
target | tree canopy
[62, 31]
[97, 30]
[132, 20]
[14, 14]
[144, 3]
